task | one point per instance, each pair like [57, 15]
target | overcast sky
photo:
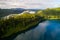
[36, 4]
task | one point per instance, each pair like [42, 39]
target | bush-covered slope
[14, 23]
[50, 13]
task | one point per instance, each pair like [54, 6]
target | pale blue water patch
[48, 30]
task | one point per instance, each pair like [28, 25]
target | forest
[15, 23]
[50, 13]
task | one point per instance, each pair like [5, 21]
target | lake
[48, 30]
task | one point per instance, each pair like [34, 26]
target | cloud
[29, 3]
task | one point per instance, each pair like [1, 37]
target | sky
[29, 4]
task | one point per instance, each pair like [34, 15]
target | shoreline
[11, 37]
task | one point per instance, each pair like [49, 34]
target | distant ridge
[5, 12]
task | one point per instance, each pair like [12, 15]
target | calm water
[48, 30]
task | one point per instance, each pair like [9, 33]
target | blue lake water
[48, 30]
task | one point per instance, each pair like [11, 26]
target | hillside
[5, 12]
[17, 23]
[50, 13]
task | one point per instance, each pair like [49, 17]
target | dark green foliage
[11, 25]
[50, 13]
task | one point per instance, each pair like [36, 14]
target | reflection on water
[48, 30]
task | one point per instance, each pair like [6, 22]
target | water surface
[48, 30]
